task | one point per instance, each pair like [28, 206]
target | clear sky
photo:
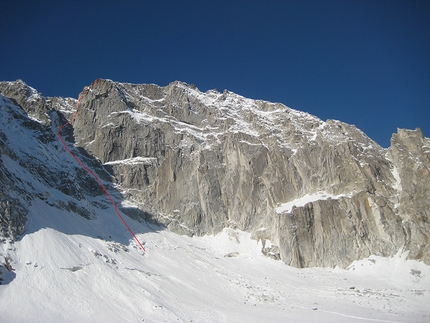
[364, 62]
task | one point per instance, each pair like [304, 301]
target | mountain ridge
[200, 162]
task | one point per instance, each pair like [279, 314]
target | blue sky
[364, 62]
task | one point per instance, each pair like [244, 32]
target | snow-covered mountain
[248, 182]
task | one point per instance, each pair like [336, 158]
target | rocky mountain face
[317, 193]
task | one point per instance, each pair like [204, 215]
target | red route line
[89, 170]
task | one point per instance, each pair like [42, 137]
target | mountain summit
[315, 193]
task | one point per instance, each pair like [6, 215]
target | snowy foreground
[68, 269]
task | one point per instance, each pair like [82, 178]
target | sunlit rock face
[318, 193]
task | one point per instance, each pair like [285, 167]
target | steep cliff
[317, 193]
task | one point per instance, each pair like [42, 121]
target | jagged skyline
[199, 162]
[364, 63]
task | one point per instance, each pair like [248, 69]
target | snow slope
[69, 269]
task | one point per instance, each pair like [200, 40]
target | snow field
[69, 269]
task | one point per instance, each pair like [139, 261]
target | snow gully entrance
[84, 93]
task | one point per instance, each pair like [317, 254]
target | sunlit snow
[69, 269]
[307, 198]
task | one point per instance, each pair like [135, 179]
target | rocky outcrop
[33, 164]
[317, 193]
[410, 153]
